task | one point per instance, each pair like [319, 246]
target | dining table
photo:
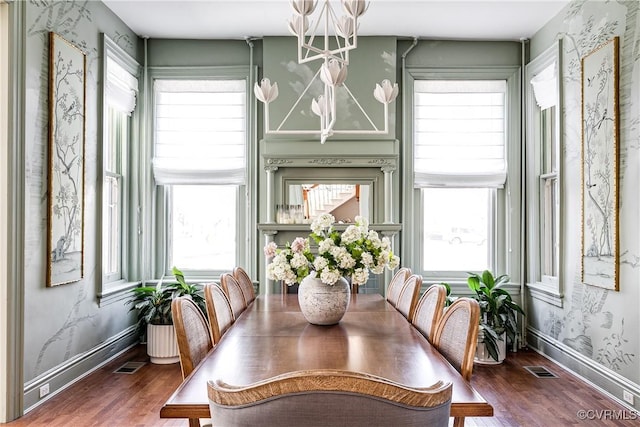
[272, 337]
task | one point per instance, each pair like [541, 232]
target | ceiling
[427, 19]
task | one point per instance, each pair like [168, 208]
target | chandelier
[329, 39]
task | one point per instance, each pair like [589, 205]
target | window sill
[115, 291]
[546, 292]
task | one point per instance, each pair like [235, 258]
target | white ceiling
[432, 19]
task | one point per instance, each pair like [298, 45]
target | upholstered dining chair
[194, 340]
[246, 284]
[409, 296]
[395, 285]
[429, 310]
[456, 338]
[218, 310]
[355, 399]
[232, 289]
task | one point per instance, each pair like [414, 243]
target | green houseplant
[153, 307]
[153, 303]
[497, 310]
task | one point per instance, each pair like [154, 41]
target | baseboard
[588, 370]
[72, 370]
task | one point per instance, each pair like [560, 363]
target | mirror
[307, 200]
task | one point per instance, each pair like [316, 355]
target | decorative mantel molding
[389, 162]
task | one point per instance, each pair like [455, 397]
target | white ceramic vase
[323, 304]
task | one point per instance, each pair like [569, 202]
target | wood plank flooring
[108, 399]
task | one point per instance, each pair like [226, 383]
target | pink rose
[270, 249]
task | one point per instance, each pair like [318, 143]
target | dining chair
[303, 398]
[194, 340]
[246, 284]
[232, 289]
[429, 310]
[456, 338]
[409, 296]
[395, 285]
[218, 310]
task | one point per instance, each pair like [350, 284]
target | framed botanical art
[600, 132]
[65, 224]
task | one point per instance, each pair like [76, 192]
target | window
[459, 166]
[544, 175]
[549, 196]
[456, 238]
[200, 160]
[116, 132]
[203, 235]
[120, 92]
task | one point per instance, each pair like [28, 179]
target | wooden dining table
[272, 337]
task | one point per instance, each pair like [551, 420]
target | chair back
[232, 289]
[457, 334]
[429, 310]
[192, 333]
[218, 310]
[396, 283]
[327, 398]
[409, 296]
[246, 284]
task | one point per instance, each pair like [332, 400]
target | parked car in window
[459, 235]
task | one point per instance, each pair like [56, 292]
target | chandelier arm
[303, 43]
[327, 128]
[362, 109]
[306, 89]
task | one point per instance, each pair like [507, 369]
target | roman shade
[459, 133]
[545, 87]
[121, 88]
[200, 131]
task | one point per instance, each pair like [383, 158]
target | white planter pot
[482, 355]
[162, 346]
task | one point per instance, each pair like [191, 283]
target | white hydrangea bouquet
[351, 254]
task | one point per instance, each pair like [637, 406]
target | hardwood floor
[105, 398]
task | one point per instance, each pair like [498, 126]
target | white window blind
[459, 133]
[121, 87]
[200, 131]
[545, 87]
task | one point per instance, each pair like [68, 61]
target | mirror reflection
[308, 200]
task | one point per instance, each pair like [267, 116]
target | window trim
[545, 288]
[115, 290]
[506, 241]
[159, 195]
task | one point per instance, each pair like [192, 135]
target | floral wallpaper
[598, 323]
[63, 322]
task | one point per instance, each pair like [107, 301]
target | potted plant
[497, 315]
[153, 307]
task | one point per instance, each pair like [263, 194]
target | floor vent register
[129, 367]
[540, 372]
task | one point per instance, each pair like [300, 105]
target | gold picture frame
[600, 136]
[65, 221]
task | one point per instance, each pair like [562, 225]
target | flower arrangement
[353, 253]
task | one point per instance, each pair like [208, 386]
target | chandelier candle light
[342, 32]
